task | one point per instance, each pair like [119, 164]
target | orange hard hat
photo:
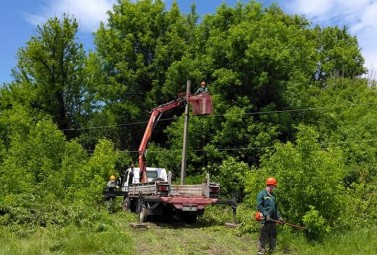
[203, 83]
[271, 181]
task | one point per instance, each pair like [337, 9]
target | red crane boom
[153, 119]
[202, 105]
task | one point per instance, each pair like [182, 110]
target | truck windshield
[152, 174]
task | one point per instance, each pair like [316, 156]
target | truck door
[126, 180]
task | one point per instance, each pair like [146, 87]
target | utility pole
[185, 133]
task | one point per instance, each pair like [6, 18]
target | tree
[338, 54]
[49, 76]
[46, 179]
[133, 53]
[259, 63]
[254, 59]
[308, 177]
[346, 117]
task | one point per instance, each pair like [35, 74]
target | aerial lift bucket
[201, 104]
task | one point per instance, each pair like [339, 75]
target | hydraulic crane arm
[153, 119]
[202, 105]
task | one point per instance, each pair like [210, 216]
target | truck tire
[167, 215]
[132, 205]
[126, 203]
[143, 215]
[141, 210]
[189, 218]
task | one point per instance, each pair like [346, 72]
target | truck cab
[132, 176]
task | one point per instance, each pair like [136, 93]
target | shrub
[316, 225]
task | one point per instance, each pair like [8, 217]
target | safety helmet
[203, 83]
[271, 181]
[112, 177]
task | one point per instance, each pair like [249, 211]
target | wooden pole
[185, 133]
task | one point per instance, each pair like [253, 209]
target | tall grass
[361, 242]
[113, 235]
[67, 240]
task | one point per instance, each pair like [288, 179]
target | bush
[17, 211]
[316, 225]
[308, 176]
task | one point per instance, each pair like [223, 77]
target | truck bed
[186, 190]
[150, 189]
[145, 189]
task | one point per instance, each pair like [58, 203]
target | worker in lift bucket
[203, 88]
[266, 204]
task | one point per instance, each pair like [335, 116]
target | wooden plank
[139, 225]
[187, 190]
[144, 189]
[232, 225]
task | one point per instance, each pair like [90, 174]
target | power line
[299, 110]
[114, 126]
[228, 114]
[254, 148]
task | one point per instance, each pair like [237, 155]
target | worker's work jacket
[201, 90]
[266, 204]
[111, 185]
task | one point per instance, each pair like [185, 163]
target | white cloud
[89, 13]
[360, 16]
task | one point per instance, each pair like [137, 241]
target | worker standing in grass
[111, 186]
[266, 204]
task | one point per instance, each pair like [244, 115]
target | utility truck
[158, 196]
[149, 191]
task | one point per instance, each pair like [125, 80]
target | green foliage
[49, 76]
[307, 176]
[87, 241]
[231, 177]
[316, 225]
[162, 157]
[47, 180]
[70, 177]
[133, 53]
[348, 123]
[360, 203]
[68, 240]
[33, 155]
[96, 172]
[339, 54]
[245, 217]
[287, 102]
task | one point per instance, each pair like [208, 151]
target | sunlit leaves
[50, 74]
[307, 175]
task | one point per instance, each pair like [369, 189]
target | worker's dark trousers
[268, 234]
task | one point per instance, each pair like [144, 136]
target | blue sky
[19, 19]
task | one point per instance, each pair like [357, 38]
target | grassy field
[207, 236]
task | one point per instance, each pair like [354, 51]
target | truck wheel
[189, 218]
[126, 204]
[132, 205]
[167, 215]
[143, 215]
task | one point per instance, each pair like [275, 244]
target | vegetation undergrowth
[112, 234]
[290, 100]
